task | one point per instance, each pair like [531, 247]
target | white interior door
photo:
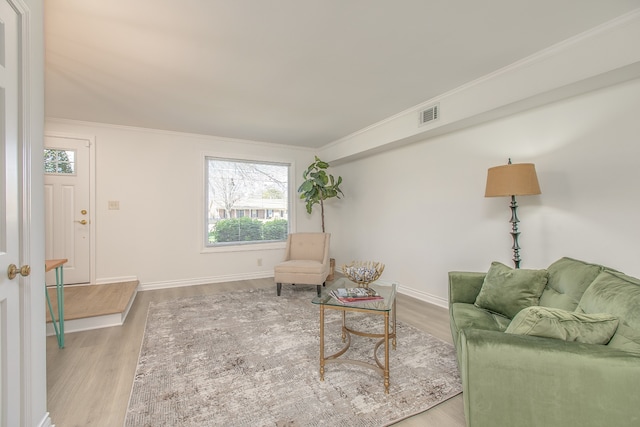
[67, 217]
[10, 365]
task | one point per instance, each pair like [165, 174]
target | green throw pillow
[564, 325]
[506, 290]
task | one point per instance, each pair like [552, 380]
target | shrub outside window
[246, 201]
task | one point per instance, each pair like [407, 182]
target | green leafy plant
[275, 229]
[242, 229]
[319, 186]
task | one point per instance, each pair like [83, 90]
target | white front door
[67, 214]
[10, 365]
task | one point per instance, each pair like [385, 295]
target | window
[59, 161]
[238, 196]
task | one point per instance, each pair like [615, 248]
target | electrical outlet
[259, 262]
[114, 205]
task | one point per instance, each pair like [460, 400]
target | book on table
[355, 294]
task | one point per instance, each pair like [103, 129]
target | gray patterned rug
[249, 358]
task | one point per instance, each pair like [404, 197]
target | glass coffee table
[384, 307]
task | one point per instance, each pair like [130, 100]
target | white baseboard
[46, 421]
[89, 323]
[131, 300]
[423, 296]
[109, 280]
[204, 280]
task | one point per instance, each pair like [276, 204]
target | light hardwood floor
[83, 301]
[89, 381]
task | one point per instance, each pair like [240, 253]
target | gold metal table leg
[386, 352]
[321, 343]
[389, 334]
[393, 317]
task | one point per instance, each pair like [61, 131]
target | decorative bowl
[363, 272]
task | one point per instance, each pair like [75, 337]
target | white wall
[414, 195]
[602, 56]
[421, 210]
[158, 179]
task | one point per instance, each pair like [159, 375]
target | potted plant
[317, 187]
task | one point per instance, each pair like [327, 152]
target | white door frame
[11, 365]
[32, 351]
[92, 194]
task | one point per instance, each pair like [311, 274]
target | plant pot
[332, 265]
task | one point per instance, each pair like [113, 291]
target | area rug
[250, 358]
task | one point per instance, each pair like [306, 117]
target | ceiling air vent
[430, 114]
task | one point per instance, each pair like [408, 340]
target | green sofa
[533, 363]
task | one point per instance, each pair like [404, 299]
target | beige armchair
[306, 261]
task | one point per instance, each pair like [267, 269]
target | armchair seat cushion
[306, 260]
[301, 272]
[300, 266]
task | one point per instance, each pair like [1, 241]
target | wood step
[93, 306]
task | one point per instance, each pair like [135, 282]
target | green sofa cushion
[618, 294]
[568, 279]
[506, 290]
[564, 325]
[470, 316]
[626, 338]
[464, 316]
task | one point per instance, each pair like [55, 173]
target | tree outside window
[243, 198]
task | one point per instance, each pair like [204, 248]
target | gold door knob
[83, 211]
[83, 222]
[13, 271]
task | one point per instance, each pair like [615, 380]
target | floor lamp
[513, 180]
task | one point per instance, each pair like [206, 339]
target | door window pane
[59, 161]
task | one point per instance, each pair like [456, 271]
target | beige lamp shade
[518, 179]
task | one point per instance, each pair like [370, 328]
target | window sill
[271, 246]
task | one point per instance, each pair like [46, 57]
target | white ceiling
[300, 72]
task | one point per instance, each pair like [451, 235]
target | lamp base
[514, 232]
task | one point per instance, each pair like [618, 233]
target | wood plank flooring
[89, 381]
[82, 301]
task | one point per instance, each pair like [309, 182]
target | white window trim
[243, 247]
